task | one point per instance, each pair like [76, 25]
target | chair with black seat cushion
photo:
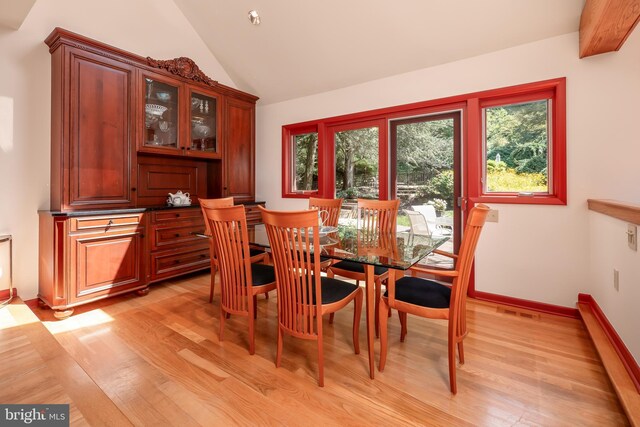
[332, 208]
[427, 298]
[241, 280]
[304, 296]
[373, 216]
[257, 255]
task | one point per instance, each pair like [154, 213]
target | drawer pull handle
[176, 261]
[177, 234]
[177, 215]
[203, 256]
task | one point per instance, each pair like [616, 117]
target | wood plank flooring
[158, 360]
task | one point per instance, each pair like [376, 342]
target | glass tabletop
[398, 250]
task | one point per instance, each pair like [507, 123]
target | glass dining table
[397, 251]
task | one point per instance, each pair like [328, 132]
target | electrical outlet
[616, 280]
[492, 215]
[632, 236]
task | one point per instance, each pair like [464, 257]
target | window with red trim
[300, 158]
[522, 146]
[514, 145]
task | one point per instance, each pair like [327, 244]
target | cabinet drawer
[181, 234]
[254, 215]
[96, 223]
[172, 263]
[163, 217]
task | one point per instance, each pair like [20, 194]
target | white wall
[154, 28]
[609, 251]
[538, 253]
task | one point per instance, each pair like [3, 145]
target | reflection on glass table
[398, 251]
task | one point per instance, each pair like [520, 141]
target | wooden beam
[606, 24]
[628, 212]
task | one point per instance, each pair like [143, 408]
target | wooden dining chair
[427, 298]
[257, 255]
[373, 216]
[241, 280]
[332, 207]
[304, 296]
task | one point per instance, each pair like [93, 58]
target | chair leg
[320, 362]
[378, 285]
[403, 325]
[255, 306]
[223, 316]
[252, 335]
[383, 333]
[461, 353]
[213, 282]
[452, 364]
[279, 347]
[356, 320]
[331, 318]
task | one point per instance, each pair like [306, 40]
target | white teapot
[179, 199]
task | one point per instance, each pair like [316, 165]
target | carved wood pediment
[183, 67]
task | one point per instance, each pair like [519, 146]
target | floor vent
[514, 311]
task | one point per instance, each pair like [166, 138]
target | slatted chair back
[206, 205]
[213, 204]
[231, 242]
[332, 206]
[464, 263]
[378, 215]
[377, 243]
[291, 235]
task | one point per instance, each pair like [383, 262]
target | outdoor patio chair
[431, 220]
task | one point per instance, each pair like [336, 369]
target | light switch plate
[632, 236]
[492, 216]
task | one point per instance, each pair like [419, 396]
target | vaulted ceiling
[304, 47]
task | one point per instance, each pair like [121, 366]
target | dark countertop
[124, 211]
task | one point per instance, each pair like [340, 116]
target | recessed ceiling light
[254, 17]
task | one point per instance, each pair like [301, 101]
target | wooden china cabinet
[125, 131]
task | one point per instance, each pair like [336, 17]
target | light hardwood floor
[157, 360]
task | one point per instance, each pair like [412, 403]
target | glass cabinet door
[203, 121]
[161, 114]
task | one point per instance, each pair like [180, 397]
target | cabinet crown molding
[183, 67]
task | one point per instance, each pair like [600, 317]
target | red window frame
[472, 162]
[553, 90]
[383, 154]
[288, 133]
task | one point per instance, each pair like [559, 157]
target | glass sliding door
[426, 177]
